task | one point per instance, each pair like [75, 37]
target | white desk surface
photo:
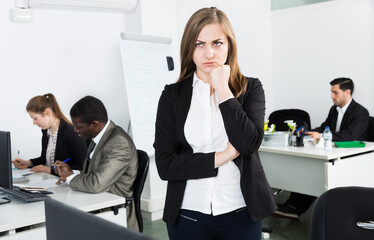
[18, 214]
[312, 171]
[318, 153]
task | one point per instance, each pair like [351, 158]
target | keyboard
[24, 195]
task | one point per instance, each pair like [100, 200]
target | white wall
[70, 53]
[314, 44]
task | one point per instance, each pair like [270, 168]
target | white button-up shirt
[51, 148]
[341, 112]
[205, 132]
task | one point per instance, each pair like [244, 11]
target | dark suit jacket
[244, 123]
[68, 145]
[354, 124]
[113, 168]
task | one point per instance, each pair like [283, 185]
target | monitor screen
[5, 161]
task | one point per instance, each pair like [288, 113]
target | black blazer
[244, 123]
[354, 124]
[68, 145]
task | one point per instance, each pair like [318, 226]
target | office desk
[18, 214]
[312, 171]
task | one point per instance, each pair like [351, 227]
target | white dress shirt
[205, 132]
[51, 148]
[341, 112]
[95, 140]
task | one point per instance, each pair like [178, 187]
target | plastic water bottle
[327, 136]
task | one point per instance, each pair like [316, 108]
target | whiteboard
[146, 72]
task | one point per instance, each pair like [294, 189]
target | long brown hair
[40, 103]
[201, 18]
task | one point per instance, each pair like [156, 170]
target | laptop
[6, 179]
[66, 222]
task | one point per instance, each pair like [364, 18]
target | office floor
[283, 229]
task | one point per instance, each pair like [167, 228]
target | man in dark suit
[348, 121]
[111, 163]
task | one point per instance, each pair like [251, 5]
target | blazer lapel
[183, 102]
[99, 145]
[334, 119]
[89, 150]
[60, 134]
[348, 114]
[103, 138]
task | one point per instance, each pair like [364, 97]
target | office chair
[66, 222]
[278, 117]
[299, 116]
[371, 130]
[138, 184]
[338, 211]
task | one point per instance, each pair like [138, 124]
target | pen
[26, 174]
[53, 167]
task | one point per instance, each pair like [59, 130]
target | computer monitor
[66, 222]
[6, 180]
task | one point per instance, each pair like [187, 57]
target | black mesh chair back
[338, 213]
[138, 184]
[299, 116]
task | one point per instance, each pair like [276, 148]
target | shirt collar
[100, 135]
[343, 109]
[196, 80]
[49, 132]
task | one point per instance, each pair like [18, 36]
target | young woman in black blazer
[59, 141]
[209, 127]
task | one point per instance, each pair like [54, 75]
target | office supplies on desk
[45, 183]
[300, 133]
[26, 174]
[36, 190]
[19, 178]
[350, 144]
[277, 139]
[300, 141]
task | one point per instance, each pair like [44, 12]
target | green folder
[350, 144]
